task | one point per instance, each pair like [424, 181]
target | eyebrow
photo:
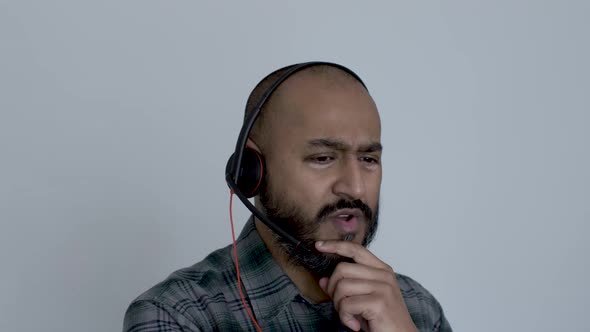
[336, 144]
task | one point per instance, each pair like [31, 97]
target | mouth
[346, 220]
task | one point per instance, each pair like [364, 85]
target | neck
[305, 281]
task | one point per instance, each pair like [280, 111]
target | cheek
[300, 186]
[312, 190]
[373, 190]
[285, 178]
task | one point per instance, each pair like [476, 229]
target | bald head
[320, 76]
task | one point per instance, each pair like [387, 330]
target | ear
[252, 170]
[252, 145]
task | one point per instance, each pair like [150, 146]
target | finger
[350, 321]
[361, 306]
[352, 250]
[345, 271]
[354, 287]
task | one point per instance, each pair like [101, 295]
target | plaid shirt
[204, 297]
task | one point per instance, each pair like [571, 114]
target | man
[320, 135]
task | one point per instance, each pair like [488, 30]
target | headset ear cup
[252, 172]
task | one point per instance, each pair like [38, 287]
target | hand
[365, 292]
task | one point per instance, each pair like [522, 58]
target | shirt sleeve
[442, 324]
[424, 308]
[152, 316]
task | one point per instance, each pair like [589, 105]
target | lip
[346, 225]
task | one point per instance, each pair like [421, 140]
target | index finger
[356, 252]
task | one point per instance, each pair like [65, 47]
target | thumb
[350, 321]
[324, 284]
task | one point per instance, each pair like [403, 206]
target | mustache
[345, 204]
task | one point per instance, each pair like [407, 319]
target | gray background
[117, 119]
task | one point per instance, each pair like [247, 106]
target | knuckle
[338, 271]
[389, 268]
[342, 268]
[390, 277]
[337, 285]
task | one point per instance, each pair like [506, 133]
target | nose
[350, 183]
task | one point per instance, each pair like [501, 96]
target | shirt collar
[268, 288]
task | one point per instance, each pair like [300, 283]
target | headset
[245, 169]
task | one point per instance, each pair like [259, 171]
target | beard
[290, 217]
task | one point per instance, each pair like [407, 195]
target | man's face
[323, 157]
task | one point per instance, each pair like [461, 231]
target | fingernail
[319, 243]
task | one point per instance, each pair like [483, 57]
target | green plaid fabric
[204, 297]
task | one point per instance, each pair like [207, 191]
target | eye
[370, 160]
[321, 159]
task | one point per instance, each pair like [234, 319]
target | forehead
[309, 107]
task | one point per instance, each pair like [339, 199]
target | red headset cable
[233, 236]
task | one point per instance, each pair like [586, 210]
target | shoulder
[208, 276]
[424, 308]
[188, 297]
[413, 291]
